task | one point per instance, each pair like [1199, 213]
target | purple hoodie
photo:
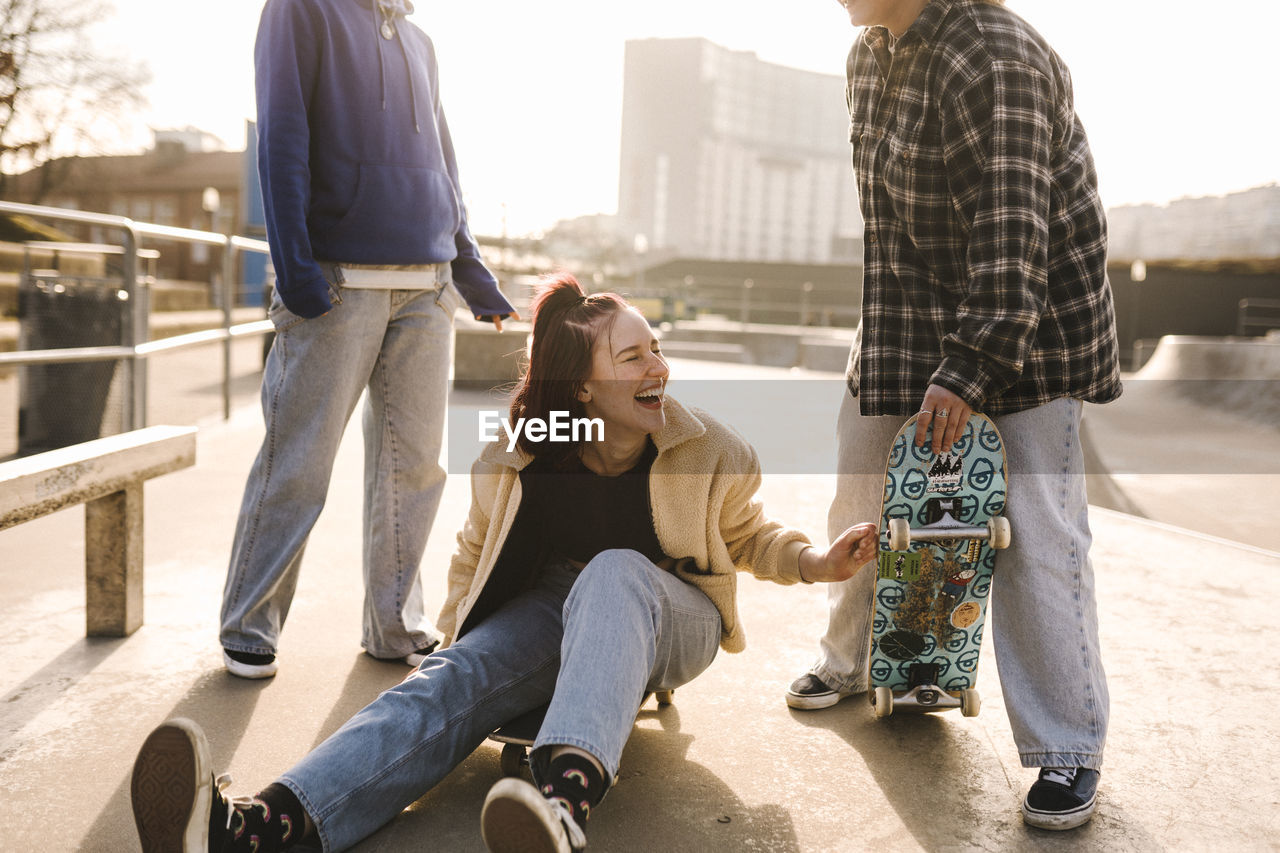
[353, 150]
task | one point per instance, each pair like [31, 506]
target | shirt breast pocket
[915, 176]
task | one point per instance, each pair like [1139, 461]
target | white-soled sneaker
[1062, 798]
[249, 665]
[415, 659]
[174, 798]
[517, 819]
[809, 693]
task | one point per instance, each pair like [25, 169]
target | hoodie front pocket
[399, 206]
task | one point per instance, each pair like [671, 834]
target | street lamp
[1137, 275]
[641, 245]
[746, 300]
[211, 202]
[805, 290]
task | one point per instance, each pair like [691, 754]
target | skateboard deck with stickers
[941, 525]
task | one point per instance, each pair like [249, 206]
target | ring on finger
[942, 413]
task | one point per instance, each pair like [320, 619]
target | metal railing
[137, 346]
[1257, 313]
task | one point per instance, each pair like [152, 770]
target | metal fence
[136, 347]
[1257, 316]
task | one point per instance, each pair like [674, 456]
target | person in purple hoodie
[372, 256]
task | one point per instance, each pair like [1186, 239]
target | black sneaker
[413, 659]
[1062, 798]
[176, 803]
[249, 665]
[809, 693]
[517, 818]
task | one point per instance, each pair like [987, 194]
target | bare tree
[57, 92]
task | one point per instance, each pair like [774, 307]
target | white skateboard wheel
[1001, 532]
[883, 700]
[899, 534]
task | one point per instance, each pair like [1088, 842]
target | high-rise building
[725, 156]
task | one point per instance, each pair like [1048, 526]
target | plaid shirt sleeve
[996, 136]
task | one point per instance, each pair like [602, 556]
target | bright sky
[1178, 97]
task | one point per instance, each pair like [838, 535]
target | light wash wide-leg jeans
[396, 345]
[596, 640]
[1043, 612]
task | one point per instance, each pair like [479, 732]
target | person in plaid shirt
[984, 289]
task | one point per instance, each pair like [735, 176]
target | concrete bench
[483, 358]
[105, 475]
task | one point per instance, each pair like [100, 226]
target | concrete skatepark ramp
[1239, 375]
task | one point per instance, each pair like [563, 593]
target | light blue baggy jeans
[396, 344]
[592, 642]
[1043, 612]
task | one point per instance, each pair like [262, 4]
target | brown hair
[566, 325]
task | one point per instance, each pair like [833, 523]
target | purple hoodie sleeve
[285, 62]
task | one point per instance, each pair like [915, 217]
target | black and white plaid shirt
[985, 243]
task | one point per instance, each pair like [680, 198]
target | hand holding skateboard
[946, 413]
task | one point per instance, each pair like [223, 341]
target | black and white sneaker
[415, 659]
[249, 664]
[1062, 798]
[517, 818]
[175, 799]
[809, 693]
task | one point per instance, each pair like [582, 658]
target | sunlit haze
[1177, 97]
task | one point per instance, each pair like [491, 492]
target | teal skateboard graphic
[941, 524]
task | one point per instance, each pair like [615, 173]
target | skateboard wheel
[1001, 533]
[882, 700]
[970, 702]
[899, 534]
[665, 697]
[513, 759]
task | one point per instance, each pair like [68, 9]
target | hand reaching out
[497, 319]
[853, 549]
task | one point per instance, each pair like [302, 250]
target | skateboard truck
[947, 529]
[924, 694]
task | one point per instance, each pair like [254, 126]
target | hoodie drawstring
[389, 11]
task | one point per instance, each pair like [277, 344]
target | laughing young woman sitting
[588, 573]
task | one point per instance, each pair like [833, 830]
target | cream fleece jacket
[702, 488]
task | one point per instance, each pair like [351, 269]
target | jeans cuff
[1088, 760]
[839, 682]
[547, 742]
[248, 650]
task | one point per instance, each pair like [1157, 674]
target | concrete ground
[1192, 748]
